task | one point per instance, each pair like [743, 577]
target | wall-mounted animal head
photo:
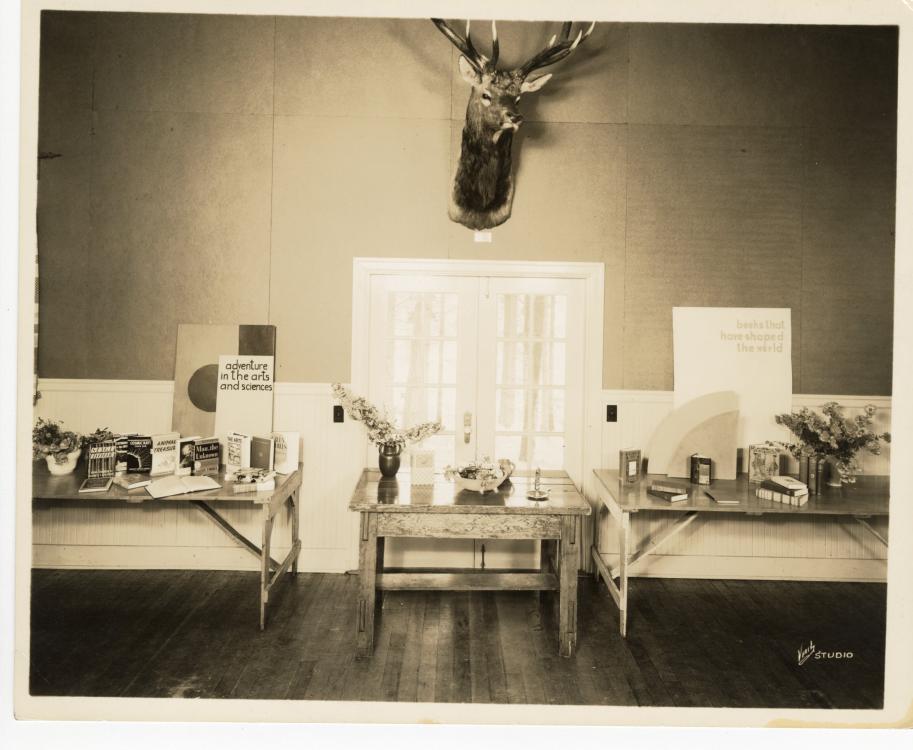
[483, 185]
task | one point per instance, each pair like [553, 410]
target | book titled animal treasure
[164, 453]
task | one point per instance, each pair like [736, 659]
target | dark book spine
[813, 478]
[804, 465]
[822, 468]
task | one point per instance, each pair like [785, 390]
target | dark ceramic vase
[388, 459]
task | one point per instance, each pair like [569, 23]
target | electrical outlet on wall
[338, 414]
[611, 413]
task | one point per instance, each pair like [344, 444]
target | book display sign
[244, 395]
[746, 350]
[196, 366]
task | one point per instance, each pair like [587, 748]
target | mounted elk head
[483, 186]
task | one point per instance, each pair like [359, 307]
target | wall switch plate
[481, 236]
[338, 414]
[611, 413]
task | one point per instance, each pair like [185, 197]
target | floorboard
[194, 634]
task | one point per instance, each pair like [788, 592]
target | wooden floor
[690, 642]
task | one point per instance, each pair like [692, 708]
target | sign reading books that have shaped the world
[244, 395]
[745, 350]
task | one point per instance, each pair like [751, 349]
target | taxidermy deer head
[483, 186]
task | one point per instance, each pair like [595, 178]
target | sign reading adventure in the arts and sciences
[743, 349]
[244, 396]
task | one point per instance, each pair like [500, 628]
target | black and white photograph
[542, 366]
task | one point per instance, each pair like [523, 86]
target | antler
[554, 52]
[464, 45]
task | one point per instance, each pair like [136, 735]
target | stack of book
[674, 493]
[783, 489]
[254, 480]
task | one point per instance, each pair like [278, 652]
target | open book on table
[175, 485]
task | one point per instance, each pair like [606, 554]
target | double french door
[499, 361]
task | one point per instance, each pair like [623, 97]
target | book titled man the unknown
[206, 457]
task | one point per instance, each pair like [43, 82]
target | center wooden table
[396, 508]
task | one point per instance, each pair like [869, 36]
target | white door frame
[593, 274]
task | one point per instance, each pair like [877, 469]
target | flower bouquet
[834, 435]
[59, 447]
[480, 476]
[389, 439]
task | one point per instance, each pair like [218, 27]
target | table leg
[623, 534]
[296, 515]
[567, 603]
[596, 518]
[367, 569]
[547, 564]
[265, 564]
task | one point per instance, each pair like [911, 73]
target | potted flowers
[834, 435]
[389, 439]
[60, 448]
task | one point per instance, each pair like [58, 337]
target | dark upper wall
[228, 169]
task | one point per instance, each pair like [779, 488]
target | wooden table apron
[46, 487]
[394, 508]
[867, 498]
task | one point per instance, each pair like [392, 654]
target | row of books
[133, 461]
[780, 489]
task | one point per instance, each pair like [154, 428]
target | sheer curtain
[530, 383]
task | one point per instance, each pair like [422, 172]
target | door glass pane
[417, 314]
[532, 315]
[540, 409]
[531, 362]
[417, 362]
[531, 379]
[422, 365]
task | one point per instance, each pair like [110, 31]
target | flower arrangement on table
[51, 440]
[480, 476]
[389, 439]
[834, 435]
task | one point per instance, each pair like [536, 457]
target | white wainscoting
[742, 547]
[95, 535]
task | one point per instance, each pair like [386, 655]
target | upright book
[137, 453]
[237, 453]
[164, 453]
[185, 456]
[120, 453]
[262, 452]
[206, 456]
[101, 459]
[700, 469]
[286, 446]
[629, 464]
